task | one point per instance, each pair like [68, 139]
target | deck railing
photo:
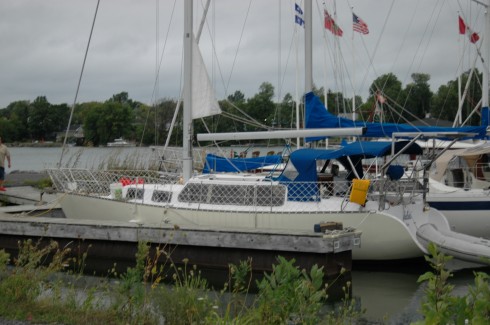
[260, 193]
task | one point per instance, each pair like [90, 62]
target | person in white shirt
[4, 154]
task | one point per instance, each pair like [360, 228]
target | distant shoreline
[35, 144]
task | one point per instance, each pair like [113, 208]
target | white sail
[204, 102]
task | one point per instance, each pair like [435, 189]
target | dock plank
[27, 195]
[231, 238]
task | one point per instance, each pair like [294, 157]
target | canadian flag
[464, 29]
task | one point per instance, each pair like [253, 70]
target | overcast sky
[43, 45]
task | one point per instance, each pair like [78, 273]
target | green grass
[40, 184]
[34, 289]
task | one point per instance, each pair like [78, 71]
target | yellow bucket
[359, 191]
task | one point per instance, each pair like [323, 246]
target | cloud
[43, 45]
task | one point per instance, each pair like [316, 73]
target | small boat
[120, 142]
[459, 187]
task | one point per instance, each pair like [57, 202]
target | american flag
[359, 25]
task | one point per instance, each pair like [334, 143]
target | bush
[440, 306]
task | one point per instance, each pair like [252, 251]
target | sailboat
[388, 211]
[459, 186]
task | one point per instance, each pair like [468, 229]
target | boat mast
[308, 47]
[187, 118]
[179, 102]
[308, 51]
[486, 65]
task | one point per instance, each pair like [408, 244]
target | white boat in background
[120, 142]
[464, 168]
[459, 186]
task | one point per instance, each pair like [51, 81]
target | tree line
[120, 116]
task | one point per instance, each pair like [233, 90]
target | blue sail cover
[304, 162]
[220, 164]
[317, 116]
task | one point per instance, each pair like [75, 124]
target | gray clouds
[43, 44]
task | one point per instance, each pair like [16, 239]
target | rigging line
[465, 92]
[238, 47]
[248, 116]
[177, 108]
[371, 58]
[279, 58]
[243, 120]
[157, 75]
[402, 45]
[446, 98]
[462, 12]
[226, 85]
[336, 53]
[282, 80]
[423, 54]
[393, 110]
[79, 82]
[204, 14]
[165, 44]
[291, 47]
[477, 47]
[339, 65]
[213, 46]
[357, 91]
[220, 149]
[343, 76]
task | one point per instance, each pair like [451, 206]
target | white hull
[120, 143]
[385, 235]
[468, 211]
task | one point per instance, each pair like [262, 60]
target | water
[386, 294]
[39, 159]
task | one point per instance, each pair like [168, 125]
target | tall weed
[441, 306]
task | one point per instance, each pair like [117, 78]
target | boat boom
[281, 134]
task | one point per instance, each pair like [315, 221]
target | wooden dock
[28, 200]
[109, 242]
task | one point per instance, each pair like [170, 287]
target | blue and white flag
[299, 15]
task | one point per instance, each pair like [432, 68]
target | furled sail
[317, 116]
[204, 102]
